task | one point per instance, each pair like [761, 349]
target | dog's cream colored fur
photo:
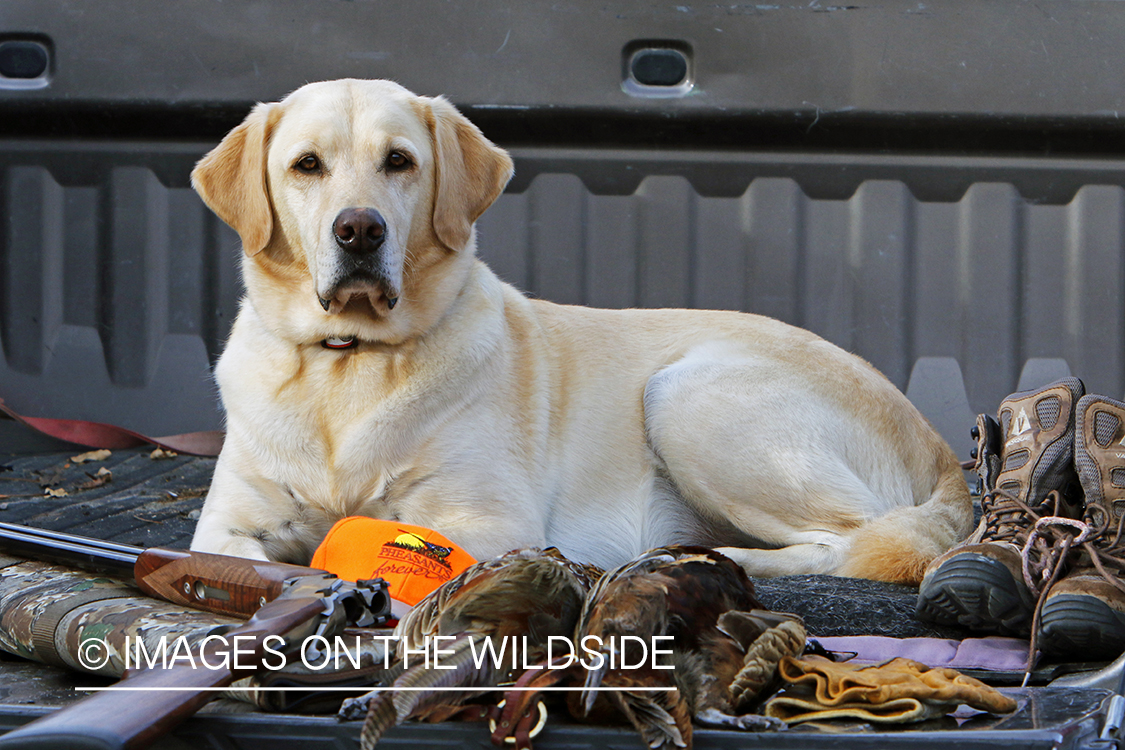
[504, 421]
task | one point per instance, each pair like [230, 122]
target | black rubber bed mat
[144, 501]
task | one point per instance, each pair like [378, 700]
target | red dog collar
[338, 343]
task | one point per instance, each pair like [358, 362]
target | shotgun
[286, 605]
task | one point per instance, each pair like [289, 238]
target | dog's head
[355, 202]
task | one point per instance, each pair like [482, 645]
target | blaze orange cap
[413, 560]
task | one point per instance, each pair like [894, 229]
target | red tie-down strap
[100, 435]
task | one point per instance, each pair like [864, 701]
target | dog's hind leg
[749, 443]
[795, 559]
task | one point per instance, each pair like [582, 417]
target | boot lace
[1053, 540]
[1009, 519]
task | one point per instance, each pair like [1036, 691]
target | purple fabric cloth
[993, 653]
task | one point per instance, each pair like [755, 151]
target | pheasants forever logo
[423, 558]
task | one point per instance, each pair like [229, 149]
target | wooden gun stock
[164, 698]
[216, 583]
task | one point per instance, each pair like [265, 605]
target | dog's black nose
[359, 230]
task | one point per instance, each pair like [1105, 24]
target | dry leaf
[161, 453]
[60, 492]
[46, 479]
[104, 476]
[98, 455]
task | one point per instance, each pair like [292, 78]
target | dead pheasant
[725, 647]
[527, 593]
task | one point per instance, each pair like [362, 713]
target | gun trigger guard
[327, 619]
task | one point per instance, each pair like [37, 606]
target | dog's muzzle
[359, 270]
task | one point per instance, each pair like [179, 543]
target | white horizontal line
[129, 688]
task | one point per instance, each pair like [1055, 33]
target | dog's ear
[470, 173]
[231, 179]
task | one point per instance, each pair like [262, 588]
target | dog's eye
[397, 161]
[308, 164]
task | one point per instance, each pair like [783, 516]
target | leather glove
[897, 691]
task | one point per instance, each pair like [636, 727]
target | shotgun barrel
[99, 556]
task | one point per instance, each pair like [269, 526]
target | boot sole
[1077, 625]
[978, 593]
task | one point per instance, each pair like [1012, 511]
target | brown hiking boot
[1024, 460]
[1084, 613]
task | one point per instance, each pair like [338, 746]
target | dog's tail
[898, 546]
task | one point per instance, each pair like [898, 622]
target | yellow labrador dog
[378, 368]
